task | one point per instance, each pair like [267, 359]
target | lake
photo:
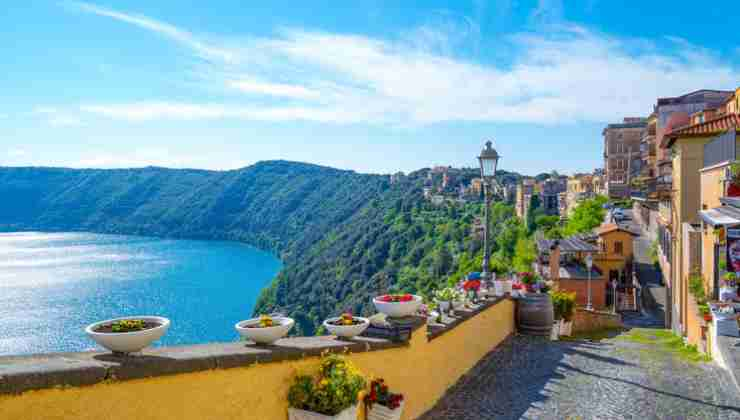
[52, 285]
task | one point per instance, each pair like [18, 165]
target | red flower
[471, 285]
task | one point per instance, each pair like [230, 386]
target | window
[618, 248]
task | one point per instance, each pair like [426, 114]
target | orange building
[563, 262]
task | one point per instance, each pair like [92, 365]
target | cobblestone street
[639, 374]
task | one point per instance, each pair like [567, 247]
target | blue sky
[366, 85]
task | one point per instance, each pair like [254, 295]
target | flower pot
[266, 335]
[380, 412]
[498, 287]
[128, 342]
[444, 306]
[507, 286]
[296, 414]
[566, 328]
[432, 317]
[346, 331]
[398, 309]
[458, 304]
[347, 414]
[555, 331]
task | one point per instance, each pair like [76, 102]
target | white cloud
[272, 89]
[564, 74]
[164, 29]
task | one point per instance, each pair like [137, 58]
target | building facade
[622, 155]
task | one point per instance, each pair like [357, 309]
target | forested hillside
[280, 206]
[343, 237]
[398, 242]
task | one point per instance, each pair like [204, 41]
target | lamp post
[589, 264]
[488, 160]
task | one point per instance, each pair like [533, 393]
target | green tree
[525, 254]
[586, 216]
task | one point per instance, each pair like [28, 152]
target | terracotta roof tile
[713, 126]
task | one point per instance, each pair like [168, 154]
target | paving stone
[532, 378]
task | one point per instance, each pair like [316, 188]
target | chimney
[555, 260]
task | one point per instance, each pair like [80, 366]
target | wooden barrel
[535, 314]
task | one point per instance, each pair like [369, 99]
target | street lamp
[488, 160]
[589, 264]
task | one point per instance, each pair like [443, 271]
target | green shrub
[696, 287]
[333, 389]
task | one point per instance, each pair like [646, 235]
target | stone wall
[590, 321]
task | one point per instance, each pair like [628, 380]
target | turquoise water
[54, 284]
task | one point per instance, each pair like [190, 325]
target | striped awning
[721, 216]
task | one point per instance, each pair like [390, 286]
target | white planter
[498, 287]
[566, 328]
[458, 304]
[264, 335]
[432, 318]
[379, 412]
[555, 332]
[507, 286]
[444, 306]
[128, 342]
[346, 331]
[296, 414]
[398, 309]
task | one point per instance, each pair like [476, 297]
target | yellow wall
[423, 371]
[687, 163]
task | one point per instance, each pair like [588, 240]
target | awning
[721, 216]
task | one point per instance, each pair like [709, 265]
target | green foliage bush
[696, 287]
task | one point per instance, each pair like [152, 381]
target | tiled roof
[612, 227]
[713, 126]
[567, 245]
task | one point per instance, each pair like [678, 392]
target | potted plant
[429, 311]
[564, 305]
[727, 292]
[706, 314]
[381, 404]
[397, 306]
[129, 334]
[265, 329]
[445, 298]
[530, 281]
[331, 394]
[347, 325]
[471, 287]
